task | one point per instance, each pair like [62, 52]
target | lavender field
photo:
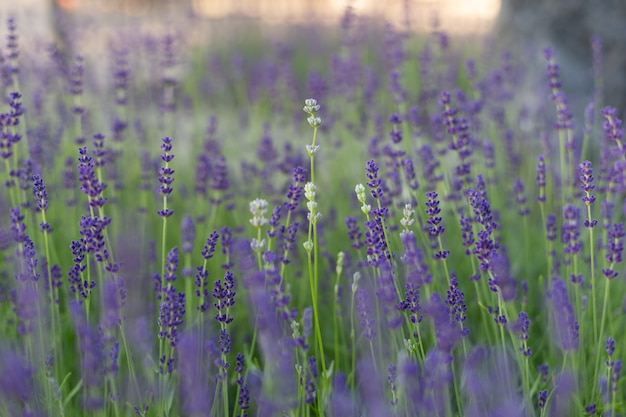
[356, 220]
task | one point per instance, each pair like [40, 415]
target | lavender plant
[437, 286]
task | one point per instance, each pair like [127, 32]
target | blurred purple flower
[564, 319]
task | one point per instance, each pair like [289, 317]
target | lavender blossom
[614, 249]
[354, 234]
[172, 304]
[194, 378]
[17, 383]
[564, 319]
[365, 315]
[166, 175]
[485, 246]
[224, 295]
[188, 234]
[434, 220]
[90, 184]
[586, 180]
[540, 178]
[609, 346]
[542, 398]
[396, 132]
[616, 370]
[520, 198]
[522, 328]
[613, 131]
[373, 181]
[570, 232]
[409, 173]
[92, 359]
[447, 332]
[455, 299]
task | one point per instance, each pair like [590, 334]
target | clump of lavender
[399, 335]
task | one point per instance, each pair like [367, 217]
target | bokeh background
[523, 27]
[456, 16]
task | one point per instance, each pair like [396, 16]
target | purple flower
[542, 398]
[540, 178]
[564, 318]
[311, 373]
[224, 295]
[92, 358]
[586, 184]
[289, 241]
[609, 346]
[522, 328]
[570, 232]
[377, 251]
[447, 332]
[114, 300]
[434, 222]
[373, 181]
[41, 195]
[17, 382]
[172, 304]
[613, 131]
[274, 222]
[485, 246]
[166, 175]
[551, 227]
[564, 116]
[90, 184]
[194, 377]
[455, 299]
[392, 376]
[365, 315]
[409, 173]
[413, 257]
[354, 234]
[543, 370]
[614, 249]
[616, 370]
[25, 299]
[520, 198]
[396, 132]
[99, 153]
[219, 180]
[295, 192]
[188, 234]
[244, 394]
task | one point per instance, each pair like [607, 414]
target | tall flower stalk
[311, 245]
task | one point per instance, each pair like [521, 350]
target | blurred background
[523, 27]
[455, 16]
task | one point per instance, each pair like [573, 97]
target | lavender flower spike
[565, 322]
